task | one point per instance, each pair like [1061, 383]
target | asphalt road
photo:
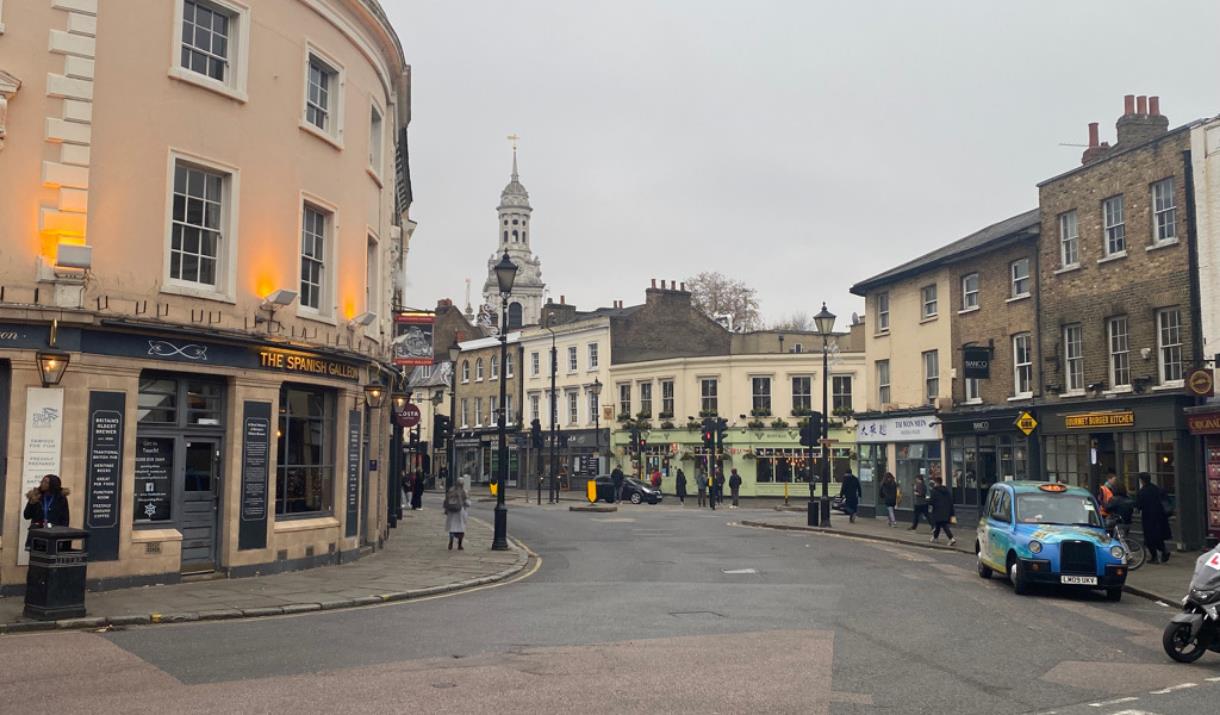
[651, 609]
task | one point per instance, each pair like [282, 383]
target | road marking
[738, 571]
[1112, 702]
[1213, 680]
[1172, 688]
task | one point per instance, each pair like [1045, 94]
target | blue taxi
[1048, 533]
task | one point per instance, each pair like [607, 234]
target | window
[883, 382]
[707, 395]
[1116, 230]
[624, 399]
[573, 408]
[197, 226]
[761, 393]
[493, 415]
[184, 403]
[667, 398]
[1169, 344]
[478, 412]
[572, 358]
[970, 291]
[514, 314]
[840, 393]
[592, 356]
[1073, 355]
[465, 371]
[375, 140]
[510, 417]
[931, 375]
[646, 399]
[883, 312]
[1069, 240]
[1023, 366]
[372, 276]
[508, 365]
[305, 459]
[534, 407]
[802, 395]
[1019, 270]
[534, 364]
[495, 367]
[478, 370]
[928, 296]
[465, 412]
[593, 407]
[1120, 366]
[315, 232]
[972, 390]
[1164, 212]
[323, 105]
[212, 48]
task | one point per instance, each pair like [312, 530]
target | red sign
[1204, 424]
[408, 416]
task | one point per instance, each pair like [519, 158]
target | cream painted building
[202, 215]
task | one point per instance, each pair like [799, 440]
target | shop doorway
[200, 504]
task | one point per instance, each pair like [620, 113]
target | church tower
[525, 302]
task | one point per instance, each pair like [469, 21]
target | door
[200, 505]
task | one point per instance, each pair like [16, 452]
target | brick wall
[667, 325]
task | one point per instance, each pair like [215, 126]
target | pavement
[1161, 582]
[415, 563]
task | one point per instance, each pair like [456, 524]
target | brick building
[479, 373]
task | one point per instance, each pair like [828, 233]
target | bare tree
[798, 321]
[716, 294]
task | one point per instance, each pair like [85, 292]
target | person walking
[920, 489]
[656, 479]
[680, 486]
[1106, 492]
[47, 504]
[457, 510]
[734, 486]
[889, 497]
[851, 493]
[719, 490]
[417, 492]
[1151, 500]
[942, 511]
[701, 486]
[616, 479]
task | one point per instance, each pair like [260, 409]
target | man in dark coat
[720, 486]
[942, 510]
[850, 491]
[734, 486]
[616, 479]
[921, 502]
[417, 492]
[680, 486]
[1150, 500]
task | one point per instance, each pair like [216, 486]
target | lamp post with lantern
[825, 322]
[506, 273]
[454, 353]
[596, 390]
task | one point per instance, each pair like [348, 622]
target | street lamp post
[437, 398]
[506, 271]
[454, 353]
[596, 389]
[825, 321]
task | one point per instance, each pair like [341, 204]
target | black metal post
[597, 437]
[825, 438]
[394, 498]
[553, 493]
[450, 475]
[538, 468]
[500, 539]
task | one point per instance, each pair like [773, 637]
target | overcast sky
[797, 146]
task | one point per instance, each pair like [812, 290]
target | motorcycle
[1196, 629]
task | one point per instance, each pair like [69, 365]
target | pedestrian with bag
[656, 479]
[1155, 508]
[851, 493]
[920, 490]
[942, 511]
[680, 486]
[889, 497]
[457, 510]
[47, 504]
[734, 486]
[701, 486]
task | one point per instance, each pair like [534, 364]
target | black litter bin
[55, 584]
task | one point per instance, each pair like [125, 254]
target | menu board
[1213, 485]
[256, 441]
[353, 473]
[154, 478]
[103, 472]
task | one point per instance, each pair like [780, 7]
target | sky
[798, 146]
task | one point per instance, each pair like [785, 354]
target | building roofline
[1122, 151]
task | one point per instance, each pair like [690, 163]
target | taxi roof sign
[1053, 487]
[1026, 423]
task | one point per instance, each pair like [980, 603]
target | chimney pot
[1141, 104]
[1154, 106]
[1093, 140]
[683, 286]
[563, 299]
[1128, 104]
[654, 282]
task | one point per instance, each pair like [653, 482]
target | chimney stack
[563, 300]
[1093, 140]
[1154, 106]
[1141, 122]
[1141, 105]
[654, 282]
[683, 288]
[1128, 104]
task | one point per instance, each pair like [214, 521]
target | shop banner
[44, 433]
[919, 428]
[977, 362]
[351, 528]
[412, 344]
[103, 474]
[256, 442]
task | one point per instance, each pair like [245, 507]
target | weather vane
[513, 138]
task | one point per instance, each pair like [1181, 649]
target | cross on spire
[513, 138]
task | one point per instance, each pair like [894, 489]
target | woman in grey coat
[457, 509]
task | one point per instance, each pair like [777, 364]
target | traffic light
[536, 434]
[440, 430]
[808, 437]
[722, 431]
[635, 439]
[709, 434]
[643, 441]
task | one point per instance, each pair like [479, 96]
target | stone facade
[666, 325]
[1205, 156]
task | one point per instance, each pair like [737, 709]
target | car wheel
[984, 570]
[1019, 585]
[636, 498]
[1114, 594]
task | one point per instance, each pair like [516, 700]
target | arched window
[514, 222]
[495, 367]
[506, 236]
[478, 370]
[523, 236]
[465, 371]
[508, 365]
[514, 315]
[514, 236]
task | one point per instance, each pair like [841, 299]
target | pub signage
[977, 362]
[1089, 420]
[291, 361]
[103, 473]
[1204, 424]
[255, 448]
[1201, 383]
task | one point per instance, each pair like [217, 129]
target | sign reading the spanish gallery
[1088, 420]
[103, 470]
[977, 362]
[44, 431]
[290, 361]
[256, 440]
[353, 473]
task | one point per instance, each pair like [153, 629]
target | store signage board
[256, 443]
[153, 478]
[921, 428]
[1201, 383]
[353, 474]
[1026, 423]
[103, 473]
[976, 362]
[1204, 424]
[1091, 420]
[44, 432]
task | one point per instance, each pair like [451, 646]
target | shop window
[305, 461]
[158, 402]
[915, 458]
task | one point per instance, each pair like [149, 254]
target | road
[651, 609]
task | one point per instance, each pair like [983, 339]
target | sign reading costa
[289, 361]
[408, 416]
[1088, 420]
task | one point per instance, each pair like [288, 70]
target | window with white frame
[534, 364]
[592, 356]
[883, 312]
[1022, 365]
[572, 358]
[1069, 240]
[1073, 355]
[1169, 344]
[573, 408]
[708, 400]
[465, 412]
[376, 140]
[478, 412]
[1018, 270]
[534, 407]
[465, 371]
[372, 276]
[478, 370]
[883, 382]
[667, 398]
[840, 393]
[1117, 331]
[760, 391]
[209, 39]
[322, 95]
[1164, 212]
[802, 394]
[509, 416]
[972, 390]
[493, 415]
[928, 299]
[970, 291]
[316, 227]
[198, 225]
[495, 367]
[624, 399]
[931, 375]
[593, 407]
[1115, 228]
[508, 365]
[646, 399]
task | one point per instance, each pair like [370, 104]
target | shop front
[478, 457]
[906, 444]
[1083, 441]
[1204, 423]
[984, 447]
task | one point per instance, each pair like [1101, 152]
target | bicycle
[1136, 553]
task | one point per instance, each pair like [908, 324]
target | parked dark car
[634, 491]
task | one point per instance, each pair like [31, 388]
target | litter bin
[55, 583]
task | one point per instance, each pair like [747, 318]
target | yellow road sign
[1026, 423]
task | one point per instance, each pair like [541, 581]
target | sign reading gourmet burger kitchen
[1088, 420]
[289, 361]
